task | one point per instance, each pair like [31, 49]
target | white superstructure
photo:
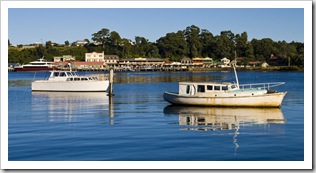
[70, 81]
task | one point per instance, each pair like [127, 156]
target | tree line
[188, 43]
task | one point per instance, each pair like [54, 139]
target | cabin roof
[204, 83]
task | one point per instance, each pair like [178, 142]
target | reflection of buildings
[68, 106]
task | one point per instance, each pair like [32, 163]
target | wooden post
[111, 83]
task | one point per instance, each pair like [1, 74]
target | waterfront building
[197, 62]
[141, 62]
[207, 62]
[80, 65]
[64, 58]
[94, 57]
[111, 60]
[226, 62]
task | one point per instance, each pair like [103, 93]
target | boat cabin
[189, 88]
[69, 76]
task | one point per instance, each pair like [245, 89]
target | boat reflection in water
[232, 120]
[69, 106]
[220, 118]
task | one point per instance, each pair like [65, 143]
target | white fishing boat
[70, 81]
[226, 94]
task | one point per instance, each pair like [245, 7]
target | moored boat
[70, 81]
[226, 94]
[38, 65]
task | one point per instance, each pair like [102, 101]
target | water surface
[138, 125]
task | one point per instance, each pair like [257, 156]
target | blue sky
[29, 25]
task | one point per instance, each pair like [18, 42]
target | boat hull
[33, 69]
[265, 100]
[70, 86]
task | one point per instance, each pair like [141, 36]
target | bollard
[111, 83]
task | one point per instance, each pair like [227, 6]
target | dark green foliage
[188, 43]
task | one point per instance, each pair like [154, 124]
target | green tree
[173, 46]
[126, 48]
[140, 46]
[208, 43]
[225, 45]
[194, 43]
[87, 40]
[67, 43]
[115, 38]
[263, 48]
[48, 44]
[101, 36]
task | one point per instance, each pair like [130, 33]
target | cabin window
[84, 78]
[56, 74]
[201, 88]
[188, 89]
[209, 87]
[77, 79]
[201, 119]
[61, 74]
[217, 88]
[188, 120]
[69, 74]
[225, 87]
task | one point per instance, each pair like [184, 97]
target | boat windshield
[69, 74]
[64, 74]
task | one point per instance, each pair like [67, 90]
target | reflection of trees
[165, 78]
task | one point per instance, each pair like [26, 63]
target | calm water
[138, 125]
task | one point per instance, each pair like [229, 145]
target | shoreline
[200, 69]
[259, 69]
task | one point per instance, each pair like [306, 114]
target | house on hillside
[80, 42]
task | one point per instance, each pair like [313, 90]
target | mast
[234, 63]
[70, 66]
[234, 66]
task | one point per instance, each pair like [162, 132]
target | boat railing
[265, 86]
